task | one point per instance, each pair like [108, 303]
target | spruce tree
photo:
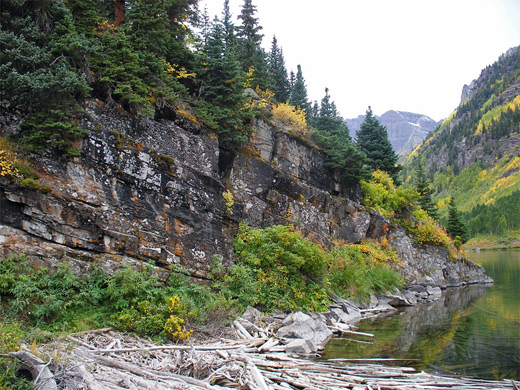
[222, 81]
[332, 135]
[278, 72]
[422, 184]
[372, 139]
[229, 27]
[455, 226]
[251, 54]
[299, 92]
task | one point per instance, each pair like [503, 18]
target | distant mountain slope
[474, 155]
[406, 130]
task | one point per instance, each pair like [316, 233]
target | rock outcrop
[152, 191]
[431, 266]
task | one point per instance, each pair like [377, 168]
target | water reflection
[472, 331]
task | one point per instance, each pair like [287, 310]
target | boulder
[339, 315]
[251, 314]
[434, 291]
[393, 299]
[300, 347]
[301, 326]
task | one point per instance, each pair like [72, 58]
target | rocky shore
[273, 352]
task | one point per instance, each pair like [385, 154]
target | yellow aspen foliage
[173, 70]
[249, 78]
[8, 159]
[291, 116]
[104, 26]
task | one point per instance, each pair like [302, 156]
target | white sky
[407, 55]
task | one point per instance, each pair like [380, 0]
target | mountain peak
[406, 130]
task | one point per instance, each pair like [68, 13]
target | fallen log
[42, 377]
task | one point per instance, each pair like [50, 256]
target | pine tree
[332, 135]
[229, 27]
[299, 92]
[223, 86]
[251, 54]
[422, 184]
[372, 139]
[455, 226]
[278, 72]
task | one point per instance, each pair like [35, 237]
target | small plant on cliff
[291, 116]
[8, 159]
[381, 194]
[358, 270]
[229, 200]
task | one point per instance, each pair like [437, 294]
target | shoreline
[105, 359]
[257, 354]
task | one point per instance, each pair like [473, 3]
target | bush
[381, 194]
[357, 271]
[291, 116]
[10, 334]
[277, 269]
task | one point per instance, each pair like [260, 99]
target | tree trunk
[119, 12]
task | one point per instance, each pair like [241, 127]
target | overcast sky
[407, 55]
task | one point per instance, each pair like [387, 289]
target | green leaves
[278, 269]
[373, 141]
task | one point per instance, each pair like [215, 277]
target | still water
[470, 331]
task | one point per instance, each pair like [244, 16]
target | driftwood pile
[104, 359]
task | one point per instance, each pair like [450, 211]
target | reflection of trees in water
[428, 329]
[473, 331]
[412, 333]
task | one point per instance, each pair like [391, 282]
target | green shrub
[277, 269]
[381, 194]
[358, 270]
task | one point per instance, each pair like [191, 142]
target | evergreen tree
[205, 25]
[422, 184]
[299, 92]
[332, 135]
[278, 72]
[372, 139]
[251, 54]
[292, 80]
[455, 226]
[39, 61]
[229, 27]
[223, 87]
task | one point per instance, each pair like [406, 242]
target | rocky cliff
[406, 130]
[160, 191]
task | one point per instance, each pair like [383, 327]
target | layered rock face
[152, 191]
[431, 266]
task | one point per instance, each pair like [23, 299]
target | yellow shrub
[291, 116]
[429, 233]
[230, 201]
[174, 325]
[8, 159]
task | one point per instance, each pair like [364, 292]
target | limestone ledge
[151, 191]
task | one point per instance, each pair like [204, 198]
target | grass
[508, 240]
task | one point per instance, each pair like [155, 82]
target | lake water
[470, 331]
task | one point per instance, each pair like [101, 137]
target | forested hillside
[157, 59]
[474, 155]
